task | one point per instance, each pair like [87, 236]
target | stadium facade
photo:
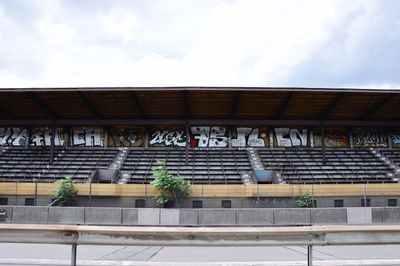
[240, 147]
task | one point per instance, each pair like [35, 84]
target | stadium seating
[305, 165]
[204, 166]
[25, 164]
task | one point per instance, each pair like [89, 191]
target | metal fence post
[309, 256]
[73, 255]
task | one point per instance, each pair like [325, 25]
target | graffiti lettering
[167, 138]
[13, 136]
[369, 138]
[203, 137]
[248, 137]
[290, 137]
[42, 137]
[125, 137]
[87, 137]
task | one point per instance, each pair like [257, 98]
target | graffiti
[369, 138]
[87, 137]
[333, 138]
[13, 136]
[204, 137]
[167, 138]
[42, 137]
[125, 137]
[291, 137]
[251, 137]
[395, 140]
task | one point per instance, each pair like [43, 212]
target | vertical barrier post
[53, 133]
[73, 255]
[187, 143]
[309, 256]
[323, 144]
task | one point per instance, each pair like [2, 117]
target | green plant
[65, 193]
[304, 200]
[170, 186]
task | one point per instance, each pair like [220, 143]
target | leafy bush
[65, 193]
[171, 187]
[304, 200]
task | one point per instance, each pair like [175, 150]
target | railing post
[309, 256]
[73, 255]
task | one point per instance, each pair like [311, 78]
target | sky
[285, 43]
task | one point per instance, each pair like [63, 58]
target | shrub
[304, 200]
[65, 193]
[171, 187]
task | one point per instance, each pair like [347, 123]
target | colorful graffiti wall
[334, 138]
[87, 136]
[13, 136]
[167, 137]
[292, 137]
[249, 137]
[367, 137]
[42, 137]
[126, 137]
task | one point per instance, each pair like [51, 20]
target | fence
[309, 236]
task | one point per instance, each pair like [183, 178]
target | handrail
[200, 236]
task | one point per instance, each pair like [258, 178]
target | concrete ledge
[390, 215]
[188, 217]
[255, 217]
[103, 216]
[129, 216]
[329, 216]
[359, 215]
[149, 216]
[31, 214]
[169, 216]
[376, 215]
[292, 216]
[67, 215]
[217, 217]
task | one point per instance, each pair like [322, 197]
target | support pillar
[309, 256]
[323, 144]
[53, 133]
[187, 144]
[73, 255]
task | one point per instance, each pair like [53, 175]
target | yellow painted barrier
[209, 191]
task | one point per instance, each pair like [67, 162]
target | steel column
[187, 144]
[309, 256]
[323, 144]
[73, 255]
[53, 133]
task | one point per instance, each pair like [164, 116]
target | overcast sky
[349, 43]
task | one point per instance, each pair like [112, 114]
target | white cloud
[235, 43]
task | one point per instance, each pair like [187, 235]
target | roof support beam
[235, 103]
[374, 109]
[325, 113]
[222, 122]
[138, 106]
[90, 105]
[42, 105]
[186, 105]
[284, 106]
[7, 113]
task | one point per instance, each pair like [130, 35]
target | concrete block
[329, 216]
[391, 215]
[377, 215]
[9, 210]
[129, 216]
[31, 214]
[169, 217]
[67, 215]
[292, 216]
[360, 215]
[188, 217]
[149, 216]
[217, 217]
[103, 216]
[255, 216]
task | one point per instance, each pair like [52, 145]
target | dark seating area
[26, 164]
[344, 165]
[204, 166]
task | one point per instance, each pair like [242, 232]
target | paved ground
[34, 254]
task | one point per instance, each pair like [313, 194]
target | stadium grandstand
[242, 146]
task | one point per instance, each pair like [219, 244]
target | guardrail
[309, 236]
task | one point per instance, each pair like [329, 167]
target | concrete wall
[201, 217]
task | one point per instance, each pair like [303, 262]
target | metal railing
[309, 236]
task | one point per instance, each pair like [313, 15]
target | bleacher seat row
[202, 166]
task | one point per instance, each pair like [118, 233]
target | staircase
[261, 174]
[395, 173]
